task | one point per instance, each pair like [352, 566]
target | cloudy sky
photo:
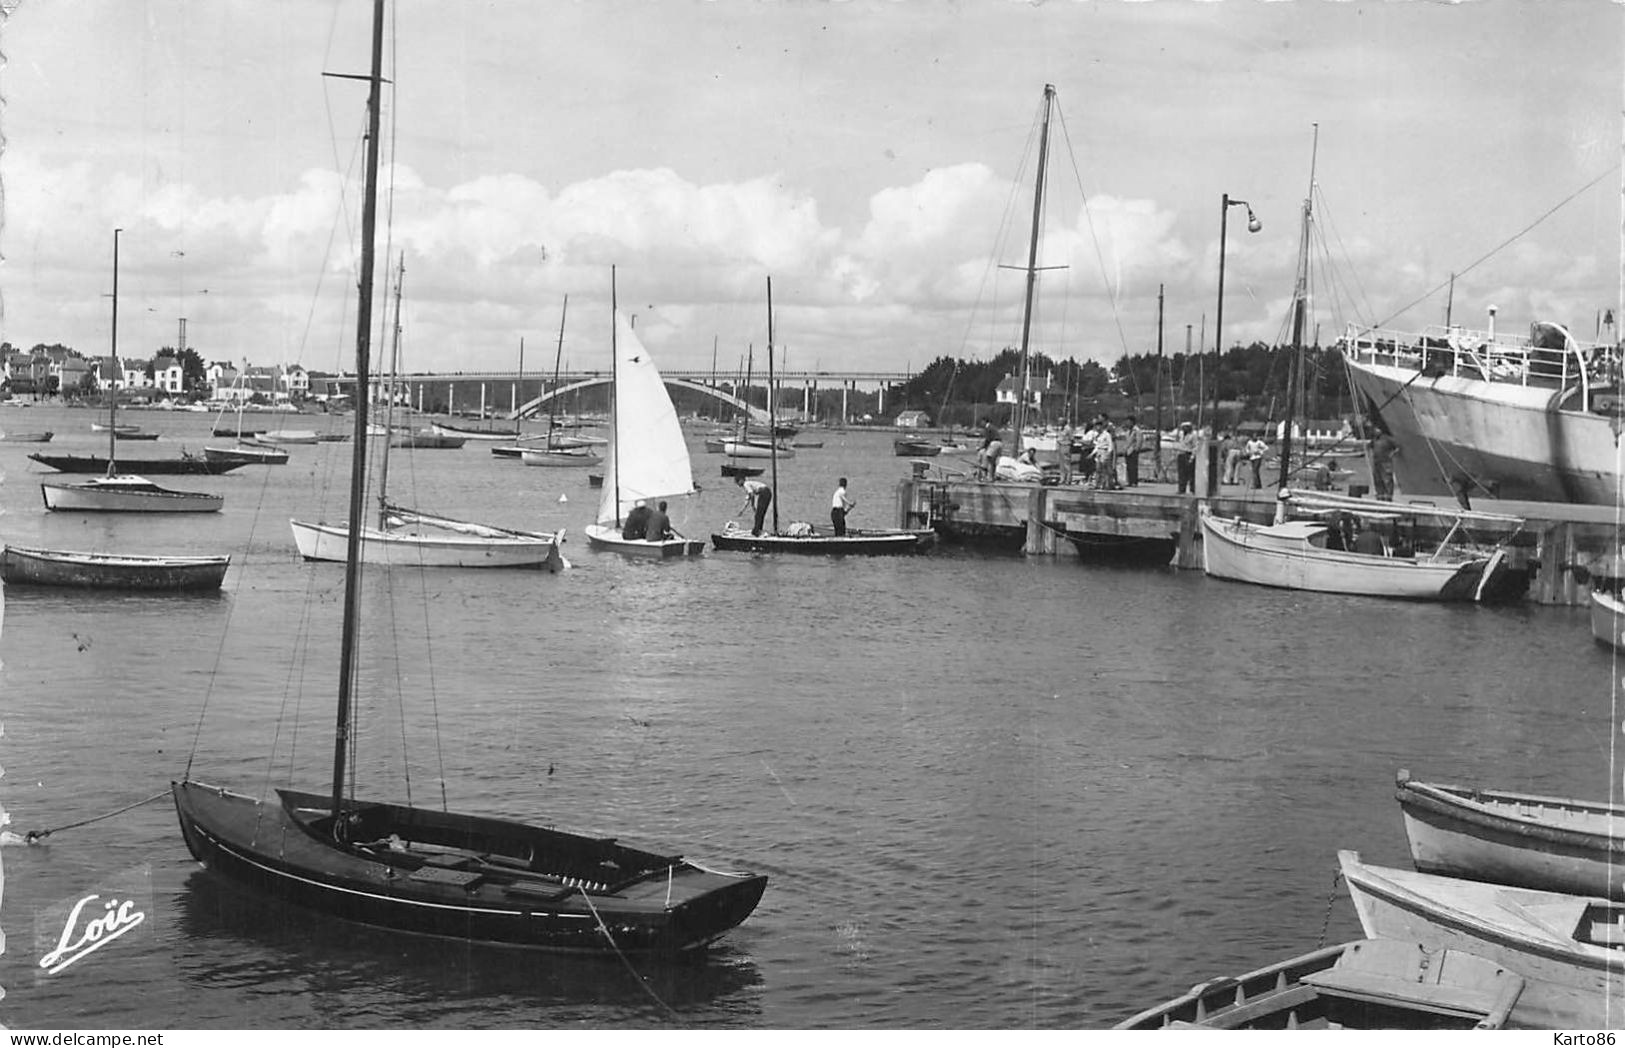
[874, 158]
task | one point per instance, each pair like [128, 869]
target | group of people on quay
[1105, 456]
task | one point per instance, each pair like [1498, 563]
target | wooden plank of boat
[97, 464]
[1567, 947]
[21, 565]
[1523, 839]
[1366, 984]
[854, 542]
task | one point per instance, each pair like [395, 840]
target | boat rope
[1331, 900]
[631, 969]
[36, 836]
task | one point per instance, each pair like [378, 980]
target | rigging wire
[1497, 249]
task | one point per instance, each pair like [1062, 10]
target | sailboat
[475, 879]
[557, 452]
[246, 448]
[409, 537]
[648, 456]
[805, 538]
[116, 492]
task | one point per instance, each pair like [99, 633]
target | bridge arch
[533, 408]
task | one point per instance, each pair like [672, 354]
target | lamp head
[1253, 224]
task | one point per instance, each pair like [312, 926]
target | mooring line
[35, 836]
[629, 967]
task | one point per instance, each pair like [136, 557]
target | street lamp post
[1253, 226]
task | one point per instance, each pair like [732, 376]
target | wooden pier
[1574, 545]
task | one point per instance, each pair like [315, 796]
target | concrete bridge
[481, 392]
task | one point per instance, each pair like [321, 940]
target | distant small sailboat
[648, 457]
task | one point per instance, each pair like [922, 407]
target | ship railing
[1457, 352]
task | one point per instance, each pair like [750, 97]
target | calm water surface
[989, 792]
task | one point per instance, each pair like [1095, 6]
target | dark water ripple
[990, 792]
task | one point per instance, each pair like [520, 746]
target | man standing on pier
[1186, 459]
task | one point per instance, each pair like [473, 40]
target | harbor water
[988, 791]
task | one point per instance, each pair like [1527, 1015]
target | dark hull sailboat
[482, 881]
[186, 464]
[461, 876]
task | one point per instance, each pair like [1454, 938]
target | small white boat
[428, 438]
[755, 449]
[1607, 619]
[125, 493]
[265, 455]
[560, 457]
[288, 436]
[424, 540]
[1308, 555]
[1551, 843]
[1567, 947]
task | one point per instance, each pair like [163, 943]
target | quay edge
[1575, 547]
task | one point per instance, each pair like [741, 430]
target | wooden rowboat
[1368, 984]
[1550, 843]
[1567, 947]
[51, 567]
[855, 541]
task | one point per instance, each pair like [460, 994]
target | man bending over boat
[758, 497]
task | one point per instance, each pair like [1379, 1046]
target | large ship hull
[1511, 439]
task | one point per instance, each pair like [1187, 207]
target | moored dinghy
[1567, 947]
[1522, 839]
[22, 565]
[1368, 984]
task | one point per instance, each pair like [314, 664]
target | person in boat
[1324, 473]
[658, 526]
[840, 504]
[758, 497]
[1368, 541]
[637, 522]
[1185, 458]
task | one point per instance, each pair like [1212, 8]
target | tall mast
[558, 358]
[358, 462]
[112, 407]
[1032, 268]
[1300, 296]
[772, 422]
[614, 401]
[519, 398]
[1156, 437]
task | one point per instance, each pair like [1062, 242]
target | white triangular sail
[648, 457]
